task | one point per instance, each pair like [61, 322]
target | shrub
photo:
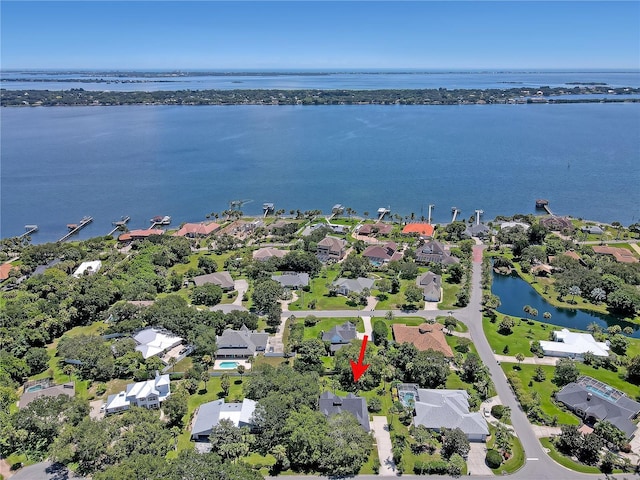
[497, 411]
[434, 467]
[493, 459]
[374, 405]
[310, 320]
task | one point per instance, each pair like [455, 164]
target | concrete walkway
[241, 286]
[383, 441]
[368, 329]
[528, 360]
[476, 460]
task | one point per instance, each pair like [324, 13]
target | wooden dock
[120, 223]
[75, 228]
[29, 230]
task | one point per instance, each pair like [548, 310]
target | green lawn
[515, 462]
[319, 293]
[449, 294]
[326, 324]
[566, 461]
[520, 340]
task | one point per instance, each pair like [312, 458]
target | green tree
[429, 369]
[454, 441]
[380, 332]
[225, 384]
[338, 459]
[306, 432]
[506, 325]
[610, 433]
[450, 322]
[207, 294]
[175, 406]
[413, 294]
[565, 372]
[309, 358]
[207, 264]
[589, 451]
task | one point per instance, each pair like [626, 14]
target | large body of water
[59, 164]
[335, 80]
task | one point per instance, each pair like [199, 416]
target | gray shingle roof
[354, 284]
[331, 404]
[449, 409]
[340, 334]
[292, 280]
[222, 279]
[241, 342]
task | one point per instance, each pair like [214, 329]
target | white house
[209, 415]
[88, 268]
[152, 341]
[573, 345]
[149, 394]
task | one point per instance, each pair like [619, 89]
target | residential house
[44, 388]
[222, 279]
[437, 409]
[375, 229]
[344, 286]
[508, 225]
[592, 229]
[542, 270]
[292, 280]
[331, 404]
[594, 401]
[339, 336]
[621, 255]
[193, 230]
[428, 336]
[241, 343]
[265, 253]
[479, 230]
[380, 254]
[87, 268]
[209, 414]
[435, 252]
[331, 249]
[41, 268]
[149, 394]
[431, 285]
[557, 223]
[161, 343]
[139, 234]
[5, 270]
[573, 345]
[423, 230]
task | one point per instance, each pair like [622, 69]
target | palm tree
[546, 315]
[598, 295]
[533, 312]
[69, 370]
[519, 358]
[207, 361]
[241, 370]
[574, 290]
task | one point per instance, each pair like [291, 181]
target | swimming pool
[34, 388]
[407, 398]
[226, 365]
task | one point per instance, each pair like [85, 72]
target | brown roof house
[427, 336]
[435, 252]
[193, 230]
[331, 249]
[375, 228]
[379, 254]
[431, 285]
[265, 253]
[222, 279]
[557, 223]
[139, 234]
[621, 255]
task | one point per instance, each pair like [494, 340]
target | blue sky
[309, 34]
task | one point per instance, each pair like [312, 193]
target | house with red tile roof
[428, 336]
[193, 230]
[621, 255]
[5, 270]
[424, 230]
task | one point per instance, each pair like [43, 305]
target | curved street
[538, 465]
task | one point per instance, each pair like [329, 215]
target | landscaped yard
[515, 462]
[320, 294]
[520, 340]
[326, 324]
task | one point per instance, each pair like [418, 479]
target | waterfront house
[139, 234]
[431, 285]
[573, 345]
[437, 409]
[193, 230]
[479, 230]
[557, 223]
[375, 229]
[344, 286]
[339, 336]
[434, 252]
[292, 280]
[222, 279]
[331, 404]
[594, 401]
[510, 225]
[241, 343]
[427, 336]
[380, 254]
[331, 249]
[87, 268]
[592, 229]
[209, 414]
[149, 394]
[423, 230]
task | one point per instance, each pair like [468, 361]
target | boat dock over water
[29, 230]
[543, 204]
[160, 220]
[76, 227]
[382, 212]
[117, 225]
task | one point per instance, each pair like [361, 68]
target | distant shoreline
[433, 96]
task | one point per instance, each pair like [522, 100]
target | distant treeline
[440, 96]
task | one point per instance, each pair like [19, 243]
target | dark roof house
[339, 336]
[593, 401]
[222, 279]
[331, 404]
[346, 285]
[434, 252]
[292, 279]
[379, 254]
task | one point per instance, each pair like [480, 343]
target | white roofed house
[573, 345]
[209, 414]
[154, 341]
[87, 268]
[149, 394]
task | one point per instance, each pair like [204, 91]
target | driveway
[383, 441]
[475, 463]
[241, 286]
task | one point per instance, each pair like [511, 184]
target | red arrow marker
[359, 368]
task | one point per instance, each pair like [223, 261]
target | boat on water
[161, 220]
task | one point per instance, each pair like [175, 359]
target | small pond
[515, 293]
